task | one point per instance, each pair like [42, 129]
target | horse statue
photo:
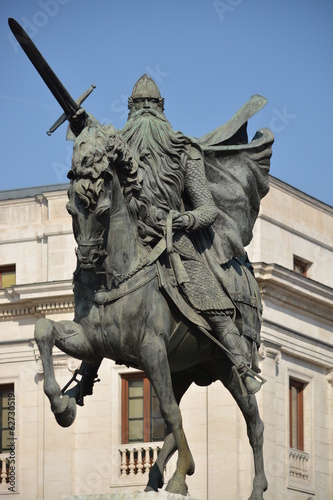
[123, 309]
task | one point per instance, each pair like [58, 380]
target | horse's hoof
[156, 479]
[149, 488]
[66, 415]
[177, 484]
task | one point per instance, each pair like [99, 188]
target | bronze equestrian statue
[163, 282]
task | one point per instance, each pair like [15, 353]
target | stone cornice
[24, 350]
[285, 341]
[36, 299]
[37, 232]
[292, 230]
[295, 291]
[296, 193]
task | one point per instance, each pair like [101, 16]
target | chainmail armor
[203, 292]
[198, 195]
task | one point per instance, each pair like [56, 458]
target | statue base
[132, 495]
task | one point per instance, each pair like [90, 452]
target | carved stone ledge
[7, 314]
[294, 291]
[40, 198]
[330, 378]
[297, 302]
[270, 352]
[54, 307]
[71, 363]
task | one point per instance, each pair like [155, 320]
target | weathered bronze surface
[163, 282]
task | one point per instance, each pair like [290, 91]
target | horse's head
[104, 177]
[89, 196]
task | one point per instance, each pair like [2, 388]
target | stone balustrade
[299, 465]
[137, 459]
[3, 467]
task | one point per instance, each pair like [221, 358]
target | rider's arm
[203, 209]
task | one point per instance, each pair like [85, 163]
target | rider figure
[174, 182]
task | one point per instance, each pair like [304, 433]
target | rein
[89, 243]
[144, 273]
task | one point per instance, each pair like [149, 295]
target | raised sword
[59, 91]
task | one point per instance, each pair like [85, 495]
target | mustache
[143, 112]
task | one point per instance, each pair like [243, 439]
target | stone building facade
[292, 254]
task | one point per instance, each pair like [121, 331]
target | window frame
[299, 438]
[8, 268]
[301, 266]
[147, 416]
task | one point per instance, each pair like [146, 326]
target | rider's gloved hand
[78, 121]
[181, 221]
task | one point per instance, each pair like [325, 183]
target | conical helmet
[145, 87]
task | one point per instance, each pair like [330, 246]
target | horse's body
[121, 314]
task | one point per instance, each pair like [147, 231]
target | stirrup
[242, 370]
[79, 383]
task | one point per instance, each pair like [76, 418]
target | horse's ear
[71, 174]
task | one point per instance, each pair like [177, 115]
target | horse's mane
[95, 157]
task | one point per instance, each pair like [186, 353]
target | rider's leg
[228, 334]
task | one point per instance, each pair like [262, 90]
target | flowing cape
[237, 175]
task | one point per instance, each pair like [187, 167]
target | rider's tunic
[202, 290]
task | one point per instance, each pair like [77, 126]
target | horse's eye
[71, 174]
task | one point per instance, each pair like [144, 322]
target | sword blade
[58, 90]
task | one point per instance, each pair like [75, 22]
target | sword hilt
[63, 117]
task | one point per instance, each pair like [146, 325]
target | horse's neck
[125, 252]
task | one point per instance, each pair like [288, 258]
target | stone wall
[297, 334]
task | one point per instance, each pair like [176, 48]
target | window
[7, 276]
[141, 417]
[296, 414]
[301, 266]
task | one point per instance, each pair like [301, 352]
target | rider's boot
[84, 386]
[225, 331]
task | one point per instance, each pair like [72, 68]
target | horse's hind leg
[69, 337]
[180, 383]
[255, 431]
[154, 360]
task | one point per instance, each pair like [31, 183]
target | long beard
[162, 157]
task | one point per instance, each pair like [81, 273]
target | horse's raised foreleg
[153, 358]
[70, 338]
[180, 383]
[255, 431]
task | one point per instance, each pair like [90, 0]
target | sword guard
[63, 117]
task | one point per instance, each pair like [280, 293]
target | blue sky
[208, 58]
